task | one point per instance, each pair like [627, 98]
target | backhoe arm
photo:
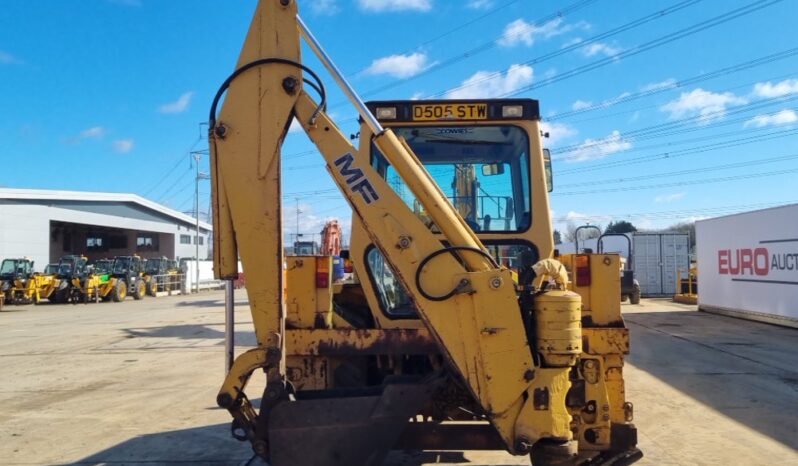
[466, 300]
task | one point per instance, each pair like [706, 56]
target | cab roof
[456, 110]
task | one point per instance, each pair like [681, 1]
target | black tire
[152, 287]
[634, 298]
[61, 296]
[119, 292]
[140, 290]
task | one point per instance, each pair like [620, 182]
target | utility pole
[296, 232]
[200, 176]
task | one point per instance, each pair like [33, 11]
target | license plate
[432, 112]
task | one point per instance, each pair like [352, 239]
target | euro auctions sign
[748, 263]
[774, 261]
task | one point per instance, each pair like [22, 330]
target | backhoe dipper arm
[469, 305]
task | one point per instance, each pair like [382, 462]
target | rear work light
[582, 270]
[386, 113]
[322, 272]
[512, 111]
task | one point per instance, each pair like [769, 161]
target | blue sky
[108, 95]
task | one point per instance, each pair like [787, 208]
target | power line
[612, 32]
[187, 152]
[729, 166]
[679, 84]
[473, 51]
[666, 39]
[683, 152]
[451, 31]
[675, 213]
[680, 183]
[677, 126]
[647, 107]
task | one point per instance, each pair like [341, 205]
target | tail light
[582, 270]
[322, 272]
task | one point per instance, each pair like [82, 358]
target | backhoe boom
[465, 299]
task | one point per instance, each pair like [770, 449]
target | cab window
[394, 299]
[483, 170]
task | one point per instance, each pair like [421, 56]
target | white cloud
[571, 42]
[400, 66]
[417, 96]
[666, 84]
[781, 118]
[593, 149]
[123, 146]
[709, 105]
[669, 197]
[8, 59]
[768, 89]
[480, 4]
[693, 218]
[614, 100]
[178, 106]
[520, 31]
[295, 127]
[597, 48]
[488, 84]
[558, 132]
[325, 7]
[395, 5]
[95, 132]
[581, 104]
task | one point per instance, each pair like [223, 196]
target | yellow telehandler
[460, 331]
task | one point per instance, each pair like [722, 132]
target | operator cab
[486, 157]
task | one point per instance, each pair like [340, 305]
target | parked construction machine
[127, 273]
[17, 279]
[161, 274]
[460, 332]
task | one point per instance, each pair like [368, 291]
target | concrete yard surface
[135, 383]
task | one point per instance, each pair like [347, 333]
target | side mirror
[490, 169]
[547, 167]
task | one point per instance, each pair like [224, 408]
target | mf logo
[355, 178]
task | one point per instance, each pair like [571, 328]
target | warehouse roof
[783, 206]
[57, 195]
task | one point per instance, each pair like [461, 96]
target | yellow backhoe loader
[461, 332]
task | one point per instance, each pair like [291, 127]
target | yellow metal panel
[486, 341]
[246, 167]
[605, 341]
[349, 342]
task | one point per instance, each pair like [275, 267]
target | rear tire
[61, 296]
[119, 293]
[152, 287]
[634, 298]
[140, 289]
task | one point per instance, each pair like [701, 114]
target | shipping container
[657, 257]
[748, 265]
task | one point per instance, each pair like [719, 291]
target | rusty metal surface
[351, 342]
[605, 341]
[348, 431]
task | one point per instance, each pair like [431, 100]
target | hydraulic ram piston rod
[401, 158]
[364, 112]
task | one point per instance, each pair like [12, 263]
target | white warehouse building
[46, 224]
